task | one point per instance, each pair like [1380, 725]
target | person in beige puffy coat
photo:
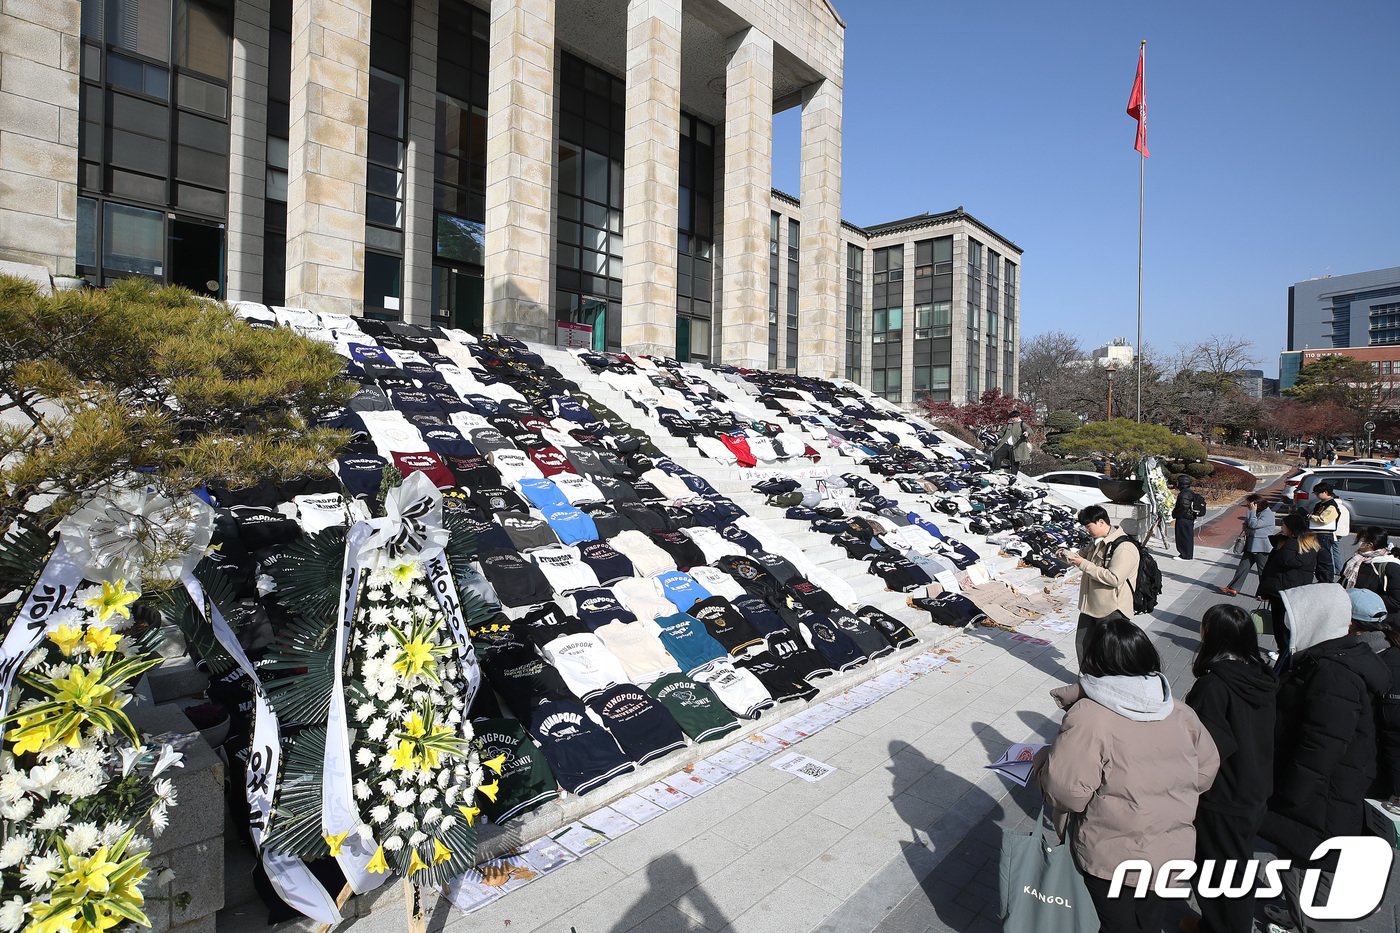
[1126, 770]
[1109, 573]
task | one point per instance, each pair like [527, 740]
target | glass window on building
[855, 280]
[695, 240]
[153, 140]
[459, 172]
[774, 227]
[588, 262]
[279, 92]
[391, 24]
[794, 251]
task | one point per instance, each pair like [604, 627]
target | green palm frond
[296, 815]
[176, 606]
[298, 665]
[308, 576]
[22, 556]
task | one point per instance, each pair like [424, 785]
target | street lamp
[1112, 368]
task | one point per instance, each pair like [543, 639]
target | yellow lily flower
[416, 864]
[405, 573]
[335, 841]
[471, 813]
[101, 640]
[31, 736]
[113, 601]
[66, 637]
[89, 875]
[490, 790]
[405, 755]
[378, 865]
[496, 764]
[413, 725]
[415, 658]
[441, 853]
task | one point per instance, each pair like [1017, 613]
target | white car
[1077, 487]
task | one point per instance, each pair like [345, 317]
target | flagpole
[1142, 202]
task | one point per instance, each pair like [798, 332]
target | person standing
[1325, 734]
[1330, 520]
[1109, 566]
[1014, 445]
[1291, 563]
[1374, 568]
[1130, 763]
[1234, 696]
[1309, 455]
[1259, 524]
[1377, 627]
[1189, 507]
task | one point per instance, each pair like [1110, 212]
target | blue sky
[1274, 131]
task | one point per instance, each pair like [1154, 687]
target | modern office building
[1357, 310]
[502, 165]
[1384, 361]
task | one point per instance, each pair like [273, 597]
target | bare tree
[1046, 359]
[1211, 377]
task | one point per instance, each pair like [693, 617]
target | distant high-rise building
[1117, 351]
[1357, 310]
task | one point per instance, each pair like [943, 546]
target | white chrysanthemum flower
[386, 693]
[379, 814]
[31, 662]
[138, 844]
[388, 788]
[164, 790]
[417, 839]
[423, 776]
[18, 810]
[478, 777]
[78, 784]
[428, 795]
[393, 844]
[12, 914]
[449, 796]
[431, 816]
[448, 821]
[362, 790]
[405, 820]
[83, 837]
[36, 873]
[396, 709]
[159, 819]
[10, 788]
[386, 764]
[466, 732]
[114, 831]
[364, 711]
[418, 591]
[364, 756]
[444, 777]
[54, 817]
[402, 614]
[404, 798]
[378, 616]
[378, 728]
[16, 849]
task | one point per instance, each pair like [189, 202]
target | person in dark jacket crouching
[1234, 696]
[1324, 736]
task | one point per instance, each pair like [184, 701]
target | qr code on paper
[808, 769]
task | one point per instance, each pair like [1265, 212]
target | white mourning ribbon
[53, 589]
[411, 529]
[290, 877]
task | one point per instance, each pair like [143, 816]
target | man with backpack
[1189, 507]
[1109, 564]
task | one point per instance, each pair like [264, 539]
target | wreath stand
[416, 919]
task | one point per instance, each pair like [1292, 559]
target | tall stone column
[39, 54]
[247, 163]
[520, 155]
[819, 297]
[651, 176]
[747, 199]
[419, 165]
[326, 161]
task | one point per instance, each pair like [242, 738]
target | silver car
[1372, 495]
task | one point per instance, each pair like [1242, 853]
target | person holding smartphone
[1259, 524]
[1109, 570]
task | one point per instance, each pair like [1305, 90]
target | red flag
[1137, 107]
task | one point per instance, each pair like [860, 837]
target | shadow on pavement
[672, 882]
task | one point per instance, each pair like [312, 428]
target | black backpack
[1148, 585]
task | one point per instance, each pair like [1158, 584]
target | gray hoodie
[1141, 699]
[1316, 613]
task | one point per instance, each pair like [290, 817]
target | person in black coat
[1292, 562]
[1378, 628]
[1234, 695]
[1189, 507]
[1374, 568]
[1325, 733]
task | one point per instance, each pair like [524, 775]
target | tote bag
[1041, 889]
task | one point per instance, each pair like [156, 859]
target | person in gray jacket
[1259, 523]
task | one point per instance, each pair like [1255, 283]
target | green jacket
[1018, 439]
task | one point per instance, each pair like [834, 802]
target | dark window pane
[385, 104]
[139, 116]
[204, 96]
[140, 26]
[202, 33]
[382, 280]
[384, 211]
[133, 240]
[87, 232]
[200, 200]
[382, 180]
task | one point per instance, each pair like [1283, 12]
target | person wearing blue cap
[1380, 629]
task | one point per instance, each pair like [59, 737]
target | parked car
[1079, 487]
[1371, 462]
[1291, 485]
[1372, 495]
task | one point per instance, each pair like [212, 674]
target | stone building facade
[500, 165]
